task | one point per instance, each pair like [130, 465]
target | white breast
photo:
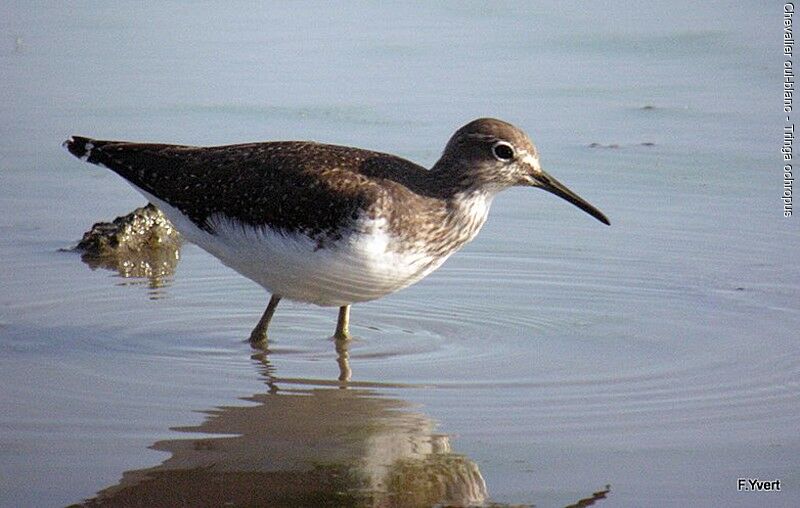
[361, 266]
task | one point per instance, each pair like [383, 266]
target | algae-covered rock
[143, 243]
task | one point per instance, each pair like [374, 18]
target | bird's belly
[359, 267]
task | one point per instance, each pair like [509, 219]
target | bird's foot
[343, 324]
[342, 335]
[258, 338]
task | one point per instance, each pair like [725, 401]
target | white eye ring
[503, 151]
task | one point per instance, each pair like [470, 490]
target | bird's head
[492, 155]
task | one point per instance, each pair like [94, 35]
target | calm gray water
[551, 357]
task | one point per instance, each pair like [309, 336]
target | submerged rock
[143, 243]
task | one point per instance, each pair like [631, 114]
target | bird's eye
[502, 151]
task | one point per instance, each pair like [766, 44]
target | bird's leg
[260, 331]
[343, 324]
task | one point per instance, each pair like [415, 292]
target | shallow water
[551, 357]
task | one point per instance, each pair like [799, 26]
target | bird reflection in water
[306, 443]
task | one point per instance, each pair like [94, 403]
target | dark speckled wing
[292, 186]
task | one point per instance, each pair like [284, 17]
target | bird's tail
[82, 147]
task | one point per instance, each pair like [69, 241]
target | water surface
[551, 357]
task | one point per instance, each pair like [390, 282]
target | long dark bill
[550, 184]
